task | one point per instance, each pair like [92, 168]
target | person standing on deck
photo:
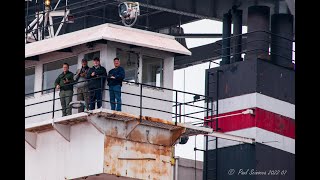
[115, 78]
[96, 76]
[82, 85]
[64, 82]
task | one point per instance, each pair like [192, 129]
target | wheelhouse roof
[109, 32]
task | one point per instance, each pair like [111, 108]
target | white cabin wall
[55, 158]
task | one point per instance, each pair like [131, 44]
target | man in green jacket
[64, 82]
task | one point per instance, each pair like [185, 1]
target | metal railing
[277, 49]
[177, 105]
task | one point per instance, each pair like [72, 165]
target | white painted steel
[63, 130]
[31, 139]
[108, 32]
[57, 159]
[261, 136]
[253, 100]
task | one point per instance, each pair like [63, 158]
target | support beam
[63, 130]
[58, 13]
[31, 139]
[51, 30]
[98, 123]
[130, 126]
[175, 134]
[226, 33]
[231, 137]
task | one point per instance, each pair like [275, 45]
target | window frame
[162, 64]
[34, 83]
[91, 51]
[52, 61]
[137, 63]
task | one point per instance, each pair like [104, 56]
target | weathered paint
[136, 160]
[100, 145]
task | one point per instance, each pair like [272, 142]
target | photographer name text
[253, 172]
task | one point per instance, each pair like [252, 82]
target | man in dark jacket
[64, 83]
[82, 85]
[115, 78]
[97, 75]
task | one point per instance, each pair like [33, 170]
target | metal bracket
[97, 122]
[31, 138]
[131, 125]
[63, 130]
[175, 135]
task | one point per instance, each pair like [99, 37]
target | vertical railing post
[43, 20]
[217, 115]
[53, 103]
[206, 123]
[211, 112]
[176, 111]
[140, 102]
[207, 95]
[101, 89]
[195, 157]
[180, 112]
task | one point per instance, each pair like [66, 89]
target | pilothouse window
[90, 56]
[129, 61]
[53, 69]
[29, 77]
[152, 71]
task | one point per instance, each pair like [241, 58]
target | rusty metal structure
[133, 148]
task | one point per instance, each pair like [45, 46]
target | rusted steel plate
[136, 160]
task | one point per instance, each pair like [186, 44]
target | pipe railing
[257, 51]
[176, 105]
